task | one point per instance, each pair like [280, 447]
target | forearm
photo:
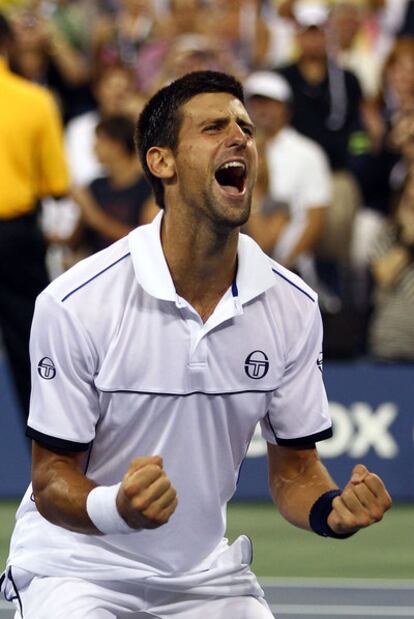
[96, 218]
[296, 484]
[72, 65]
[309, 237]
[60, 491]
[388, 268]
[107, 226]
[266, 229]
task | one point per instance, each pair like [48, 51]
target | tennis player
[152, 362]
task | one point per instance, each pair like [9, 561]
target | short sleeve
[64, 405]
[298, 413]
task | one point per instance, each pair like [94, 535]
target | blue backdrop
[372, 408]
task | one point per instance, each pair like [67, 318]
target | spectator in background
[299, 176]
[113, 205]
[117, 38]
[326, 108]
[391, 332]
[239, 28]
[43, 54]
[381, 169]
[32, 165]
[350, 50]
[115, 94]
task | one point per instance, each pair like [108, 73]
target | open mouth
[231, 176]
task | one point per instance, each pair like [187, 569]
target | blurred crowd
[330, 87]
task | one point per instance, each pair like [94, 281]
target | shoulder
[84, 122]
[287, 70]
[34, 94]
[305, 153]
[292, 286]
[94, 279]
[352, 82]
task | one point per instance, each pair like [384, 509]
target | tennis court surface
[334, 599]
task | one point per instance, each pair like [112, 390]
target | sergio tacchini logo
[256, 364]
[46, 368]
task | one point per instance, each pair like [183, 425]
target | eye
[248, 130]
[212, 127]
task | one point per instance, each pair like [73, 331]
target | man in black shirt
[326, 98]
[326, 108]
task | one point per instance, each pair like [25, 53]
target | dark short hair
[160, 120]
[6, 32]
[120, 129]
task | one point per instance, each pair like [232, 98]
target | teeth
[233, 164]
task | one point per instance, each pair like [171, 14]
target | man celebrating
[163, 352]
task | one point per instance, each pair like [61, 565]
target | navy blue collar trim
[234, 289]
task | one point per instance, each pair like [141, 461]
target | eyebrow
[225, 119]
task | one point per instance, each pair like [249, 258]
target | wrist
[319, 513]
[103, 512]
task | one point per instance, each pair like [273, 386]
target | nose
[236, 136]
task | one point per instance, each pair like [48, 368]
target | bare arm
[96, 218]
[297, 478]
[387, 269]
[266, 229]
[310, 236]
[146, 498]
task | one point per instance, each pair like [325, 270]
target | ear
[161, 162]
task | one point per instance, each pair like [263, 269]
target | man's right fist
[146, 499]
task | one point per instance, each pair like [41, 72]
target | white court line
[340, 583]
[349, 611]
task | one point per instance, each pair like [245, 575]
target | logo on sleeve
[46, 368]
[319, 361]
[256, 365]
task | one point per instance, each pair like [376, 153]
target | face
[344, 24]
[216, 159]
[107, 151]
[400, 75]
[268, 115]
[113, 91]
[312, 43]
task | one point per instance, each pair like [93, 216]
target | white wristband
[102, 510]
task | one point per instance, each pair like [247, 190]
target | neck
[313, 69]
[202, 261]
[124, 172]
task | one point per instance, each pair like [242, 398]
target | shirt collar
[254, 271]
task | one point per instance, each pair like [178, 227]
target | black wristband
[318, 516]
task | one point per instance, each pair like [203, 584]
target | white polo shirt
[299, 175]
[123, 367]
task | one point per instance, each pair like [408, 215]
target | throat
[205, 306]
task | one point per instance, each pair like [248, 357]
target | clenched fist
[146, 499]
[363, 501]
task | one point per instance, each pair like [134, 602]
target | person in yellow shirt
[32, 165]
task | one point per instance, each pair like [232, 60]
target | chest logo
[46, 368]
[256, 365]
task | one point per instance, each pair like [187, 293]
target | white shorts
[74, 598]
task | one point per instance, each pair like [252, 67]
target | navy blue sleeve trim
[56, 443]
[94, 277]
[293, 284]
[305, 440]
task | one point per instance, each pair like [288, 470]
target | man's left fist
[363, 502]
